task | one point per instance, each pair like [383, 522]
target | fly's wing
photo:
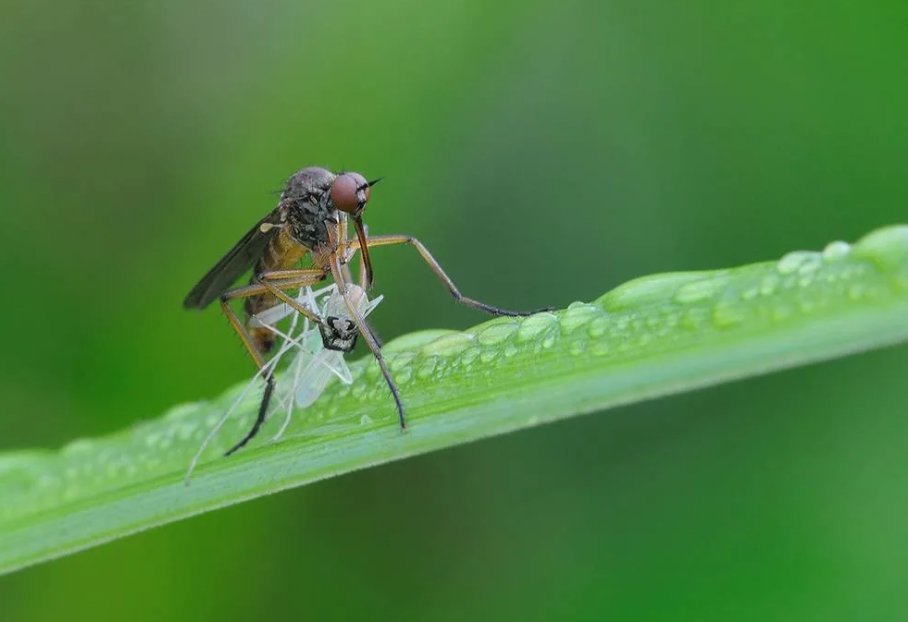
[240, 258]
[315, 374]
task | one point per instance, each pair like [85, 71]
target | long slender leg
[371, 341]
[273, 283]
[388, 240]
[276, 283]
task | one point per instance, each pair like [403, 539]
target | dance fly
[310, 222]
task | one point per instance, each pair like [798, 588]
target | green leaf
[653, 336]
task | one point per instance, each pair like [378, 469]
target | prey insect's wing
[240, 258]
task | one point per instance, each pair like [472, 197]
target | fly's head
[349, 193]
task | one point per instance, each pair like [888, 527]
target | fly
[310, 221]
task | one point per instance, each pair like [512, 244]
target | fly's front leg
[388, 240]
[370, 340]
[275, 283]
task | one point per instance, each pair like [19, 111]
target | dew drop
[78, 447]
[793, 261]
[414, 341]
[887, 246]
[448, 345]
[470, 355]
[185, 431]
[535, 325]
[598, 326]
[487, 356]
[646, 290]
[496, 332]
[578, 314]
[365, 420]
[726, 314]
[401, 361]
[693, 320]
[599, 348]
[427, 368]
[403, 376]
[510, 350]
[703, 289]
[182, 411]
[836, 250]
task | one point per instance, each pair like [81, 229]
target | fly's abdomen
[282, 253]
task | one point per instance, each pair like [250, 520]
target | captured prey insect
[312, 366]
[310, 221]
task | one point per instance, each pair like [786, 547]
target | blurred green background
[546, 152]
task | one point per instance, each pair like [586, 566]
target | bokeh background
[546, 152]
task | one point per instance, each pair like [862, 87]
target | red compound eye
[349, 192]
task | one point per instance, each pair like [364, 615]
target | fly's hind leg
[388, 240]
[275, 283]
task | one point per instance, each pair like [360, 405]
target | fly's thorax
[307, 203]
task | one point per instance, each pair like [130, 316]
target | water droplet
[487, 356]
[578, 314]
[598, 326]
[599, 348]
[510, 350]
[886, 247]
[535, 325]
[750, 293]
[703, 289]
[577, 347]
[365, 420]
[496, 331]
[79, 446]
[181, 411]
[400, 361]
[448, 345]
[152, 438]
[646, 290]
[403, 376]
[792, 262]
[836, 250]
[470, 355]
[426, 368]
[549, 341]
[184, 431]
[414, 341]
[694, 319]
[727, 314]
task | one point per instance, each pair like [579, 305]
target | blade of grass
[653, 336]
